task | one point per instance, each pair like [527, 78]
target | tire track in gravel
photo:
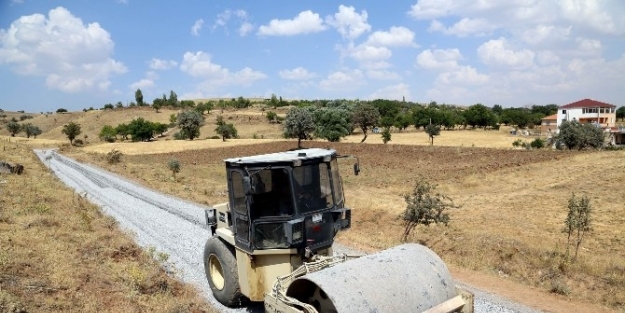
[176, 227]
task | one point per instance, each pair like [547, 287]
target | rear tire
[220, 266]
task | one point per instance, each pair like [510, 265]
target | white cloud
[495, 53]
[602, 16]
[71, 55]
[464, 75]
[197, 26]
[463, 28]
[383, 75]
[245, 29]
[158, 64]
[343, 80]
[545, 34]
[591, 46]
[439, 59]
[304, 23]
[606, 17]
[395, 37]
[392, 92]
[348, 22]
[199, 65]
[240, 16]
[142, 84]
[367, 53]
[298, 73]
[431, 8]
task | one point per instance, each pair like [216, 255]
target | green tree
[226, 131]
[123, 130]
[402, 121]
[432, 130]
[331, 124]
[14, 127]
[108, 106]
[139, 97]
[71, 130]
[425, 206]
[160, 128]
[479, 115]
[119, 105]
[157, 105]
[174, 166]
[497, 109]
[108, 133]
[31, 130]
[386, 135]
[299, 124]
[271, 116]
[577, 222]
[620, 113]
[365, 116]
[173, 99]
[189, 123]
[61, 110]
[574, 135]
[273, 101]
[141, 129]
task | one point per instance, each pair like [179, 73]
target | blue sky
[82, 53]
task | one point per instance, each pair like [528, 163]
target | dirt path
[532, 297]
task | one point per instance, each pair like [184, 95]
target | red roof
[551, 117]
[587, 103]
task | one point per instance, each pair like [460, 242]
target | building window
[563, 111]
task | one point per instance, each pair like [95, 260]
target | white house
[588, 111]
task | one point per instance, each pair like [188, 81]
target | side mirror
[247, 185]
[356, 169]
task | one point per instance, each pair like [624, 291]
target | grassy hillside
[58, 253]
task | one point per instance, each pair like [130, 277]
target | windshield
[312, 187]
[272, 194]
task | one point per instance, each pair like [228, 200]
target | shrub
[425, 207]
[78, 143]
[114, 156]
[517, 143]
[537, 143]
[61, 110]
[215, 137]
[560, 287]
[174, 166]
[386, 135]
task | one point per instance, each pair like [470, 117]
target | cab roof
[287, 156]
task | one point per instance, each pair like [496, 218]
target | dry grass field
[58, 253]
[513, 206]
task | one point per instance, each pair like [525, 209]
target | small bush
[174, 166]
[79, 142]
[179, 136]
[114, 156]
[215, 137]
[517, 143]
[537, 143]
[560, 287]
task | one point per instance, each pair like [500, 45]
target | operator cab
[290, 199]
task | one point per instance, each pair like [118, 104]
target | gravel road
[176, 227]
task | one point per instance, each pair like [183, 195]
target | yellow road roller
[272, 243]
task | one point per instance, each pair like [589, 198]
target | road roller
[272, 242]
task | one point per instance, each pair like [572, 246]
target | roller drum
[406, 278]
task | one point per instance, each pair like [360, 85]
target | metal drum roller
[406, 278]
